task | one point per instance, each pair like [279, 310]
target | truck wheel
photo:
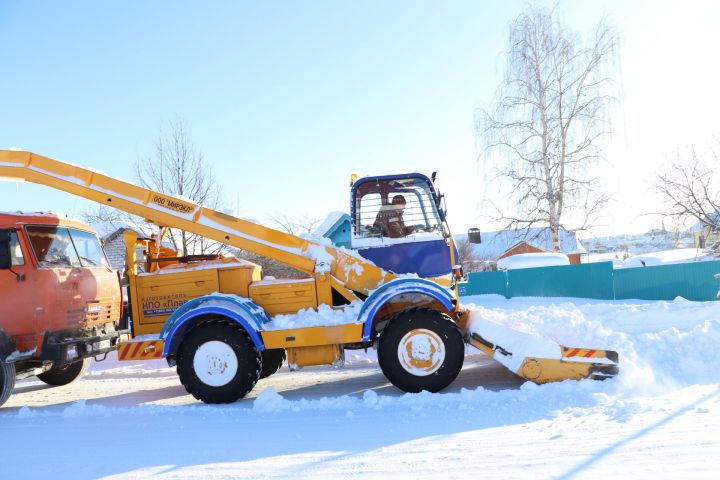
[272, 360]
[421, 349]
[58, 376]
[7, 381]
[217, 362]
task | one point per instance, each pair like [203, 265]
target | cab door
[59, 276]
[20, 313]
[98, 284]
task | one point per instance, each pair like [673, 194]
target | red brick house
[526, 247]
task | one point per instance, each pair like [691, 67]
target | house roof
[111, 229]
[332, 222]
[494, 244]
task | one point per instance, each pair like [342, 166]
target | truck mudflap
[146, 347]
[570, 363]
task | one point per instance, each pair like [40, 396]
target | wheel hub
[215, 363]
[421, 352]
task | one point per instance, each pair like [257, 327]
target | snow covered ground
[660, 418]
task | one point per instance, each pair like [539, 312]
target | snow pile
[519, 340]
[492, 404]
[532, 260]
[323, 259]
[324, 316]
[661, 344]
[667, 257]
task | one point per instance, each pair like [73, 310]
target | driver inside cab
[389, 220]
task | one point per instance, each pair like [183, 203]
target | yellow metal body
[574, 364]
[140, 350]
[317, 355]
[312, 336]
[309, 257]
[168, 284]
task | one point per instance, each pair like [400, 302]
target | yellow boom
[309, 257]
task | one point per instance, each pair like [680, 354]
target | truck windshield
[88, 249]
[60, 247]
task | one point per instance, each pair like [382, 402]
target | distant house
[505, 243]
[112, 236]
[707, 234]
[336, 227]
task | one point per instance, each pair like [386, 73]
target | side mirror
[474, 235]
[5, 259]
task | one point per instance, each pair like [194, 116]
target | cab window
[16, 256]
[395, 208]
[53, 246]
[88, 249]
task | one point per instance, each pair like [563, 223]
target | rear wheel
[58, 376]
[217, 362]
[7, 381]
[272, 360]
[421, 349]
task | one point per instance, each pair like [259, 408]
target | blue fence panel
[693, 281]
[589, 280]
[483, 283]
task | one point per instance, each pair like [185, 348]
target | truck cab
[398, 223]
[61, 300]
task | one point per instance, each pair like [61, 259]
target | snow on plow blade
[539, 359]
[573, 364]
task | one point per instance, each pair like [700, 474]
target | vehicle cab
[61, 300]
[399, 223]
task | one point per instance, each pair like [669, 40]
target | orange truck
[61, 302]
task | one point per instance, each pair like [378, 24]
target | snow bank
[667, 257]
[661, 344]
[531, 260]
[555, 396]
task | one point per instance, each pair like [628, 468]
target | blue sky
[287, 99]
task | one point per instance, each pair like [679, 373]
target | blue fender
[242, 310]
[402, 286]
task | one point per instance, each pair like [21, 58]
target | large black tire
[58, 376]
[217, 362]
[7, 381]
[421, 349]
[272, 360]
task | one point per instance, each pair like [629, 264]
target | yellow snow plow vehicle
[217, 318]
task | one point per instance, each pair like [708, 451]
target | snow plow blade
[571, 364]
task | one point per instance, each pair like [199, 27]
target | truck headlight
[71, 352]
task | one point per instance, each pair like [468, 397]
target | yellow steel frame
[309, 257]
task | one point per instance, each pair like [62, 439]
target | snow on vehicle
[396, 290]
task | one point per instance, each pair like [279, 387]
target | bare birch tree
[691, 189]
[469, 260]
[550, 112]
[178, 168]
[302, 225]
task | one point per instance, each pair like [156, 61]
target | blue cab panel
[427, 259]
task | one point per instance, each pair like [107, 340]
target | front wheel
[58, 376]
[421, 349]
[217, 362]
[7, 381]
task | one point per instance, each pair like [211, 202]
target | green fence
[693, 281]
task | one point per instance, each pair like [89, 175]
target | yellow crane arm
[309, 257]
